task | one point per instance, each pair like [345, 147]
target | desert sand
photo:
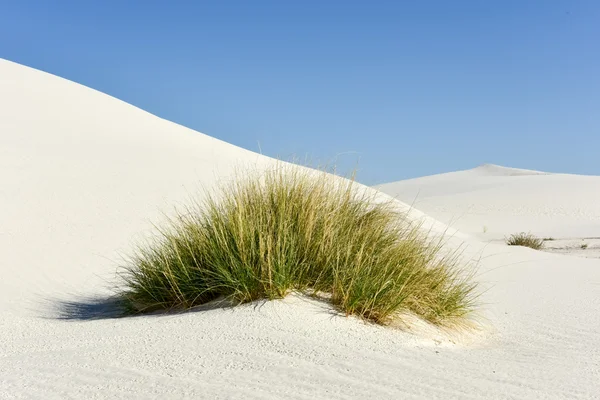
[491, 202]
[84, 175]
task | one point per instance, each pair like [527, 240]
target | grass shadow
[89, 308]
[99, 308]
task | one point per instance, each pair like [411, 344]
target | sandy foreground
[84, 175]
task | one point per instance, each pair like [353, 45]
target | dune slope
[84, 174]
[501, 201]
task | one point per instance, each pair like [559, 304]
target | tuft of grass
[584, 246]
[525, 239]
[294, 229]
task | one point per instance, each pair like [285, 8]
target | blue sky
[404, 88]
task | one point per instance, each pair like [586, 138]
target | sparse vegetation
[293, 230]
[549, 239]
[584, 246]
[525, 239]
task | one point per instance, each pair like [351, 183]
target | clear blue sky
[407, 88]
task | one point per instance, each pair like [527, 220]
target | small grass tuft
[525, 239]
[299, 230]
[584, 246]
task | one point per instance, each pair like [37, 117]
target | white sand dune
[492, 201]
[83, 174]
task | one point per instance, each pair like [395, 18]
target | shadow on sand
[90, 308]
[97, 308]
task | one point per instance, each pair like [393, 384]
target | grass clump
[525, 239]
[299, 230]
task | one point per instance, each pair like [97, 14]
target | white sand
[83, 174]
[491, 202]
[496, 201]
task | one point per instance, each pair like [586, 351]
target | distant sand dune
[490, 201]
